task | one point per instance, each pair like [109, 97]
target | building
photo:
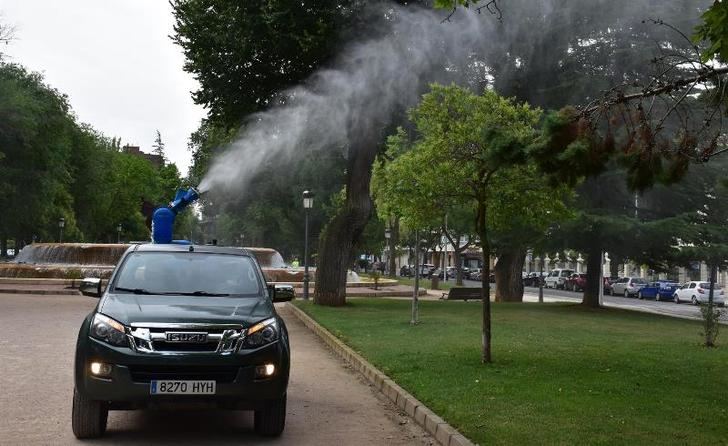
[156, 160]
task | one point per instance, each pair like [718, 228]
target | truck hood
[131, 308]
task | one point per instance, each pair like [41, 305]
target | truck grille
[221, 374]
[185, 338]
[162, 346]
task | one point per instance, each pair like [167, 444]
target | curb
[445, 434]
[61, 292]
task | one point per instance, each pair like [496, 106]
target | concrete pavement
[328, 403]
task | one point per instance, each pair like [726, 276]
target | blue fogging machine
[163, 217]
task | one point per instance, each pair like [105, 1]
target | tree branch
[621, 98]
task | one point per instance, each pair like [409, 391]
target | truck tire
[271, 420]
[88, 417]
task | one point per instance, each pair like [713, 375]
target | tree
[158, 146]
[463, 139]
[244, 53]
[7, 34]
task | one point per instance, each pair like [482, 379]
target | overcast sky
[115, 61]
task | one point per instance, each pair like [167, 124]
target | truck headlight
[262, 333]
[108, 330]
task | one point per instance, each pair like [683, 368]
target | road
[668, 308]
[327, 402]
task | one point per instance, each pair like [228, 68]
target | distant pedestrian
[295, 263]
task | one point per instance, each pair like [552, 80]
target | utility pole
[540, 282]
[444, 258]
[415, 303]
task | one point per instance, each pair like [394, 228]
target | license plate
[177, 387]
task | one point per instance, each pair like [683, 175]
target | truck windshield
[188, 273]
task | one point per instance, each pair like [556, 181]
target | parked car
[452, 272]
[532, 278]
[698, 293]
[475, 273]
[575, 282]
[628, 286]
[557, 277]
[180, 325]
[407, 271]
[658, 290]
[608, 282]
[426, 270]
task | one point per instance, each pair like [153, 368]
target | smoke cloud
[372, 79]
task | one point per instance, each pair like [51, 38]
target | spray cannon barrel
[163, 218]
[183, 199]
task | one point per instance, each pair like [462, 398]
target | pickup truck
[182, 325]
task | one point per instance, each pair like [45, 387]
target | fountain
[64, 260]
[77, 260]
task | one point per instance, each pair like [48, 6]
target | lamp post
[307, 204]
[61, 224]
[118, 233]
[387, 236]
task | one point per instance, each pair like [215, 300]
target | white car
[556, 277]
[628, 286]
[698, 292]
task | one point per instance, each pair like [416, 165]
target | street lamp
[387, 236]
[61, 224]
[118, 233]
[307, 204]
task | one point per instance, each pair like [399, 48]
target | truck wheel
[88, 417]
[271, 420]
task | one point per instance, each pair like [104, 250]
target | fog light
[265, 371]
[100, 369]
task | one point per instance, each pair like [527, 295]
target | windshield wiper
[200, 293]
[134, 290]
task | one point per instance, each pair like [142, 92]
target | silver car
[628, 286]
[698, 293]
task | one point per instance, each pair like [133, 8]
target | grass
[426, 283]
[562, 374]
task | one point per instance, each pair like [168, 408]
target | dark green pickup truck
[182, 325]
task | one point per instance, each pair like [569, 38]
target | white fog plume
[367, 83]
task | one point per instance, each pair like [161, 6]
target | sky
[116, 63]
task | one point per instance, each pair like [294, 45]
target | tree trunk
[458, 267]
[337, 241]
[485, 283]
[393, 242]
[614, 261]
[591, 291]
[508, 277]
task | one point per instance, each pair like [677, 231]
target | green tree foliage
[244, 53]
[469, 152]
[714, 29]
[52, 167]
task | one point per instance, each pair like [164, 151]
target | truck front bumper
[128, 386]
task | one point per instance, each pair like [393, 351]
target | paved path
[328, 404]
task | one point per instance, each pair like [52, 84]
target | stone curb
[445, 434]
[36, 281]
[43, 292]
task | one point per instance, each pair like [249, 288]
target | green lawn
[425, 283]
[561, 374]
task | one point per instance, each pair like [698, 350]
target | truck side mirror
[90, 286]
[282, 293]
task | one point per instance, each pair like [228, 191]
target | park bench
[462, 293]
